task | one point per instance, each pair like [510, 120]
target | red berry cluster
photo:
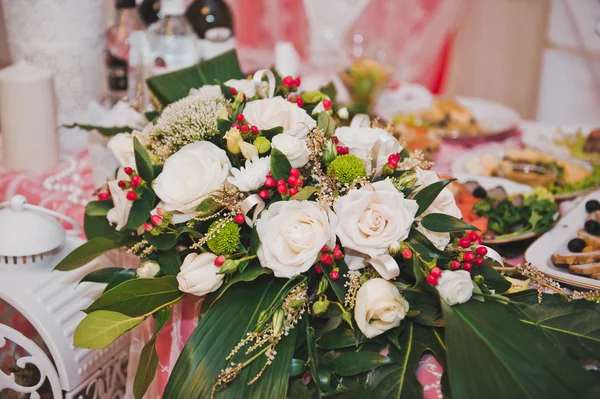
[393, 160]
[327, 258]
[243, 126]
[291, 83]
[298, 100]
[434, 275]
[341, 150]
[104, 195]
[134, 185]
[158, 221]
[471, 258]
[289, 187]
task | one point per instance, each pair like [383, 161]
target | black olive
[592, 205]
[592, 227]
[576, 245]
[480, 192]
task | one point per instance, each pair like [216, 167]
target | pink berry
[148, 227]
[292, 180]
[135, 180]
[245, 129]
[464, 242]
[467, 266]
[122, 184]
[473, 236]
[319, 269]
[235, 125]
[156, 220]
[103, 196]
[254, 130]
[296, 82]
[299, 102]
[282, 189]
[326, 259]
[287, 81]
[431, 279]
[219, 260]
[281, 182]
[469, 256]
[482, 251]
[293, 191]
[161, 211]
[264, 194]
[127, 170]
[239, 218]
[294, 172]
[334, 275]
[479, 262]
[337, 254]
[270, 182]
[407, 253]
[131, 196]
[299, 182]
[327, 104]
[232, 91]
[436, 272]
[240, 117]
[324, 248]
[455, 265]
[335, 140]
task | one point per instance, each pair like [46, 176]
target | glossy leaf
[427, 195]
[298, 367]
[280, 166]
[341, 337]
[148, 361]
[298, 390]
[217, 333]
[105, 131]
[430, 312]
[98, 208]
[99, 227]
[163, 241]
[208, 207]
[119, 278]
[270, 133]
[338, 285]
[304, 193]
[442, 223]
[140, 210]
[348, 363]
[102, 275]
[138, 297]
[143, 163]
[518, 361]
[323, 121]
[85, 253]
[492, 278]
[99, 329]
[415, 237]
[170, 262]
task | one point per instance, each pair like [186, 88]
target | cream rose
[121, 206]
[291, 235]
[244, 85]
[439, 240]
[455, 286]
[198, 274]
[379, 307]
[190, 174]
[294, 149]
[121, 146]
[148, 269]
[360, 142]
[276, 111]
[373, 218]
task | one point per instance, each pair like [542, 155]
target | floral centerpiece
[329, 259]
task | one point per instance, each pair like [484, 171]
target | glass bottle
[213, 23]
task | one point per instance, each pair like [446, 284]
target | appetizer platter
[576, 241]
[505, 211]
[575, 142]
[564, 178]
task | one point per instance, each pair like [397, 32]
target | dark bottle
[149, 10]
[213, 23]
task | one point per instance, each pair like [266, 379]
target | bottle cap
[172, 7]
[125, 3]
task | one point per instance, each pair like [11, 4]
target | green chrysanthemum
[347, 168]
[225, 240]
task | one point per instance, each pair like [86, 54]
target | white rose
[122, 206]
[251, 176]
[208, 91]
[379, 307]
[360, 142]
[291, 235]
[294, 149]
[198, 274]
[445, 202]
[439, 240]
[148, 269]
[374, 217]
[242, 85]
[189, 174]
[276, 111]
[121, 146]
[455, 286]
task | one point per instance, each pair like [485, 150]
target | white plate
[542, 136]
[556, 240]
[492, 116]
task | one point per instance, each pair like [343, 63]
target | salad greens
[514, 216]
[590, 181]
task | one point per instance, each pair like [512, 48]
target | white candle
[28, 118]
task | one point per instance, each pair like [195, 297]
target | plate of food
[564, 178]
[504, 211]
[570, 252]
[576, 142]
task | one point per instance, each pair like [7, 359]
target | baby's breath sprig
[142, 249]
[354, 282]
[327, 185]
[416, 159]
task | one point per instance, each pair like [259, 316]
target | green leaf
[139, 297]
[170, 262]
[320, 374]
[217, 333]
[98, 208]
[338, 285]
[323, 121]
[208, 207]
[430, 313]
[442, 223]
[341, 337]
[330, 91]
[352, 363]
[298, 390]
[140, 210]
[270, 133]
[162, 241]
[102, 327]
[280, 166]
[518, 362]
[105, 131]
[492, 278]
[418, 240]
[148, 362]
[143, 163]
[102, 275]
[399, 380]
[98, 227]
[170, 87]
[86, 253]
[426, 196]
[304, 194]
[298, 367]
[121, 277]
